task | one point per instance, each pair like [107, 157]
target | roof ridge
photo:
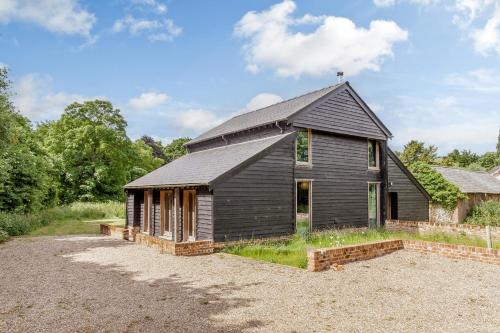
[288, 100]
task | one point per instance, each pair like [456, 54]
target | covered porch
[176, 214]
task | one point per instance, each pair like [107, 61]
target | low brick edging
[322, 259]
[454, 251]
[115, 231]
[447, 228]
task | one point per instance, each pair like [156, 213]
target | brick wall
[471, 230]
[114, 231]
[455, 251]
[178, 249]
[322, 259]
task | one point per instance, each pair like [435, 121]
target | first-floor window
[147, 210]
[373, 205]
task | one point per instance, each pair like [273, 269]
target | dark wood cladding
[243, 136]
[413, 205]
[340, 177]
[339, 113]
[204, 210]
[257, 201]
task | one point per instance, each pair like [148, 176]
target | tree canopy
[416, 151]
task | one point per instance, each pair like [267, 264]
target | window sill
[373, 169]
[304, 165]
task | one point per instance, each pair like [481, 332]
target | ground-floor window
[167, 213]
[303, 204]
[373, 204]
[148, 197]
[189, 220]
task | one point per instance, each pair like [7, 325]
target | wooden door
[189, 215]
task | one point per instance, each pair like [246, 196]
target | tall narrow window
[373, 205]
[303, 147]
[373, 154]
[147, 210]
[167, 213]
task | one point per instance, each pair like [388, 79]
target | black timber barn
[317, 161]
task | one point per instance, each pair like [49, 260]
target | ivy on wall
[442, 192]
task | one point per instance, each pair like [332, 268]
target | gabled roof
[470, 181]
[270, 114]
[207, 166]
[408, 174]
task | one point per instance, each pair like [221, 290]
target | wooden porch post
[176, 215]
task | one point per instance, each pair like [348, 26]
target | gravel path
[96, 284]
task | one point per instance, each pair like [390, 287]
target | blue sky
[429, 68]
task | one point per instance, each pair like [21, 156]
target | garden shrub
[442, 192]
[3, 235]
[485, 213]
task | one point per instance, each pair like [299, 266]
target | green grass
[293, 252]
[76, 218]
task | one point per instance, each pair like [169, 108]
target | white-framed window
[167, 214]
[303, 147]
[373, 204]
[373, 155]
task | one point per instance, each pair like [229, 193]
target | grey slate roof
[270, 114]
[203, 167]
[471, 181]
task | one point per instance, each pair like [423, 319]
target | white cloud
[59, 16]
[34, 98]
[445, 122]
[156, 29]
[389, 3]
[480, 80]
[335, 44]
[479, 19]
[148, 100]
[262, 100]
[197, 119]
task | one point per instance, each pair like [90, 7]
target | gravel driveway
[97, 284]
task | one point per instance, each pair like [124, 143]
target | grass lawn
[74, 227]
[294, 252]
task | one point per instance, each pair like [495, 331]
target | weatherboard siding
[242, 136]
[340, 179]
[339, 113]
[412, 204]
[204, 207]
[258, 201]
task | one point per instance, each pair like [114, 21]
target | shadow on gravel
[67, 293]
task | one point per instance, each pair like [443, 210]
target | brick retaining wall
[455, 251]
[322, 259]
[452, 229]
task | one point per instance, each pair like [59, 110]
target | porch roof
[206, 166]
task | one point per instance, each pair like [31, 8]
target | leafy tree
[460, 159]
[489, 160]
[415, 151]
[498, 143]
[144, 159]
[155, 146]
[24, 180]
[175, 149]
[441, 191]
[92, 151]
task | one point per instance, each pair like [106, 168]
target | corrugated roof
[270, 114]
[201, 168]
[471, 181]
